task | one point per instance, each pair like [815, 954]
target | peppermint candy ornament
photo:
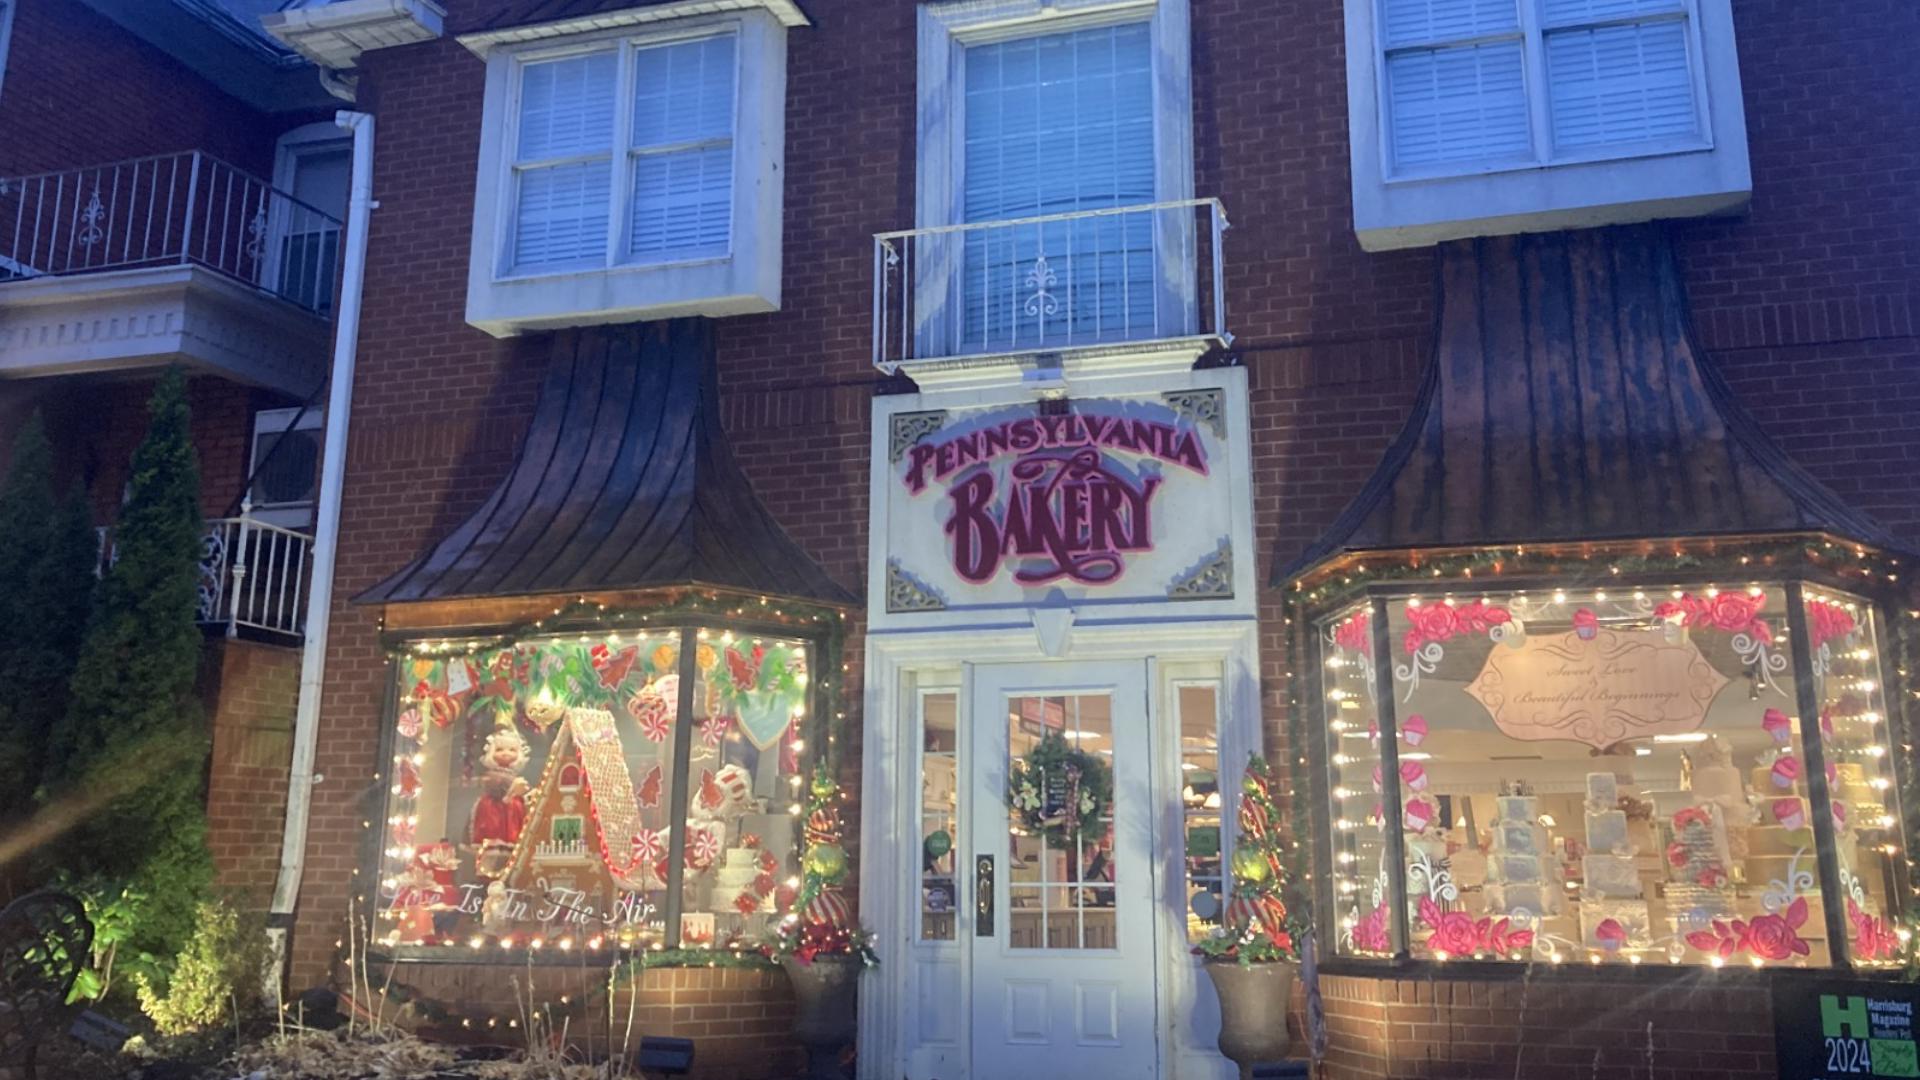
[703, 848]
[1789, 813]
[648, 847]
[653, 707]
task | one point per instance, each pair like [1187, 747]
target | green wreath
[1082, 791]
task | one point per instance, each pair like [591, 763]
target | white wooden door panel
[1062, 950]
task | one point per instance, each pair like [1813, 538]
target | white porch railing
[1121, 277]
[173, 209]
[254, 575]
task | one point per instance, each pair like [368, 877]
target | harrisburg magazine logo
[1867, 1036]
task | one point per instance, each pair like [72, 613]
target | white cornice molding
[483, 41]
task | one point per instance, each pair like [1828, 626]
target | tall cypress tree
[47, 557]
[133, 742]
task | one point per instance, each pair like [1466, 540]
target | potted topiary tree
[818, 943]
[1251, 957]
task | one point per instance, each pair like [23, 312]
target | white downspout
[326, 539]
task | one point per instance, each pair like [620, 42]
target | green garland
[1089, 785]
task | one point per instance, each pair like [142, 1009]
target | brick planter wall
[1671, 1025]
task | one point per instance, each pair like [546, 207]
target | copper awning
[624, 481]
[1566, 401]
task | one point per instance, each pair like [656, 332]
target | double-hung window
[630, 172]
[1479, 117]
[1056, 125]
[592, 191]
[1482, 84]
[1055, 207]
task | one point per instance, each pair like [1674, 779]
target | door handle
[983, 896]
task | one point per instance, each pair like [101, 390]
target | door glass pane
[939, 816]
[1200, 797]
[1060, 856]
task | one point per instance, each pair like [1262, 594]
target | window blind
[1620, 84]
[1467, 103]
[1456, 81]
[563, 160]
[1057, 124]
[683, 109]
[1426, 22]
[1563, 12]
[1616, 72]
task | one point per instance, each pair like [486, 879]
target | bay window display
[1619, 775]
[599, 790]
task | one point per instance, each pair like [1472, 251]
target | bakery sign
[1600, 687]
[1096, 496]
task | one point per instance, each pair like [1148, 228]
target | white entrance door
[1063, 932]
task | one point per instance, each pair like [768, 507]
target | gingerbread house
[584, 842]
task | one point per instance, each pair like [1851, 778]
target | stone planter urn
[1253, 1011]
[827, 1021]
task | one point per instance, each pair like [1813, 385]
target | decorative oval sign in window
[1597, 686]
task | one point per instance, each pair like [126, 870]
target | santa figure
[427, 895]
[501, 811]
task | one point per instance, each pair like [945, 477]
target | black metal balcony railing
[173, 209]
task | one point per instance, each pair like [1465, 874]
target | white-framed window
[1077, 114]
[1472, 117]
[591, 191]
[631, 172]
[6, 37]
[1474, 85]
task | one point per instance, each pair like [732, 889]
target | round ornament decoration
[1206, 906]
[823, 827]
[823, 785]
[1056, 790]
[1250, 865]
[829, 908]
[827, 861]
[938, 843]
